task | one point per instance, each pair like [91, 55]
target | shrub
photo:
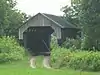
[89, 61]
[58, 56]
[53, 42]
[83, 60]
[87, 43]
[10, 50]
[72, 43]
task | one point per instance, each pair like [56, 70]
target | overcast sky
[32, 7]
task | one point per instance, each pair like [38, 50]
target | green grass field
[22, 68]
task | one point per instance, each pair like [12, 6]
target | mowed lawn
[22, 68]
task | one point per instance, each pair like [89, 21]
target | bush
[87, 43]
[58, 56]
[53, 43]
[72, 43]
[89, 61]
[83, 60]
[10, 50]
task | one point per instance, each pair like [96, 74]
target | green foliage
[86, 43]
[72, 43]
[83, 60]
[71, 14]
[83, 44]
[89, 61]
[10, 50]
[10, 18]
[53, 43]
[57, 57]
[86, 15]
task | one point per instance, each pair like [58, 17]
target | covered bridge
[62, 28]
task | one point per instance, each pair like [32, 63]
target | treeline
[86, 15]
[10, 18]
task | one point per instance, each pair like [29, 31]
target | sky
[32, 7]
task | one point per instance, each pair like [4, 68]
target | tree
[71, 15]
[10, 18]
[88, 16]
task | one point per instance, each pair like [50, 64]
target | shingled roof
[60, 20]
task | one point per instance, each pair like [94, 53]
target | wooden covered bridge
[42, 25]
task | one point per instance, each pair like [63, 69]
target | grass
[22, 68]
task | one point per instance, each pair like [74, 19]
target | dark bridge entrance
[37, 40]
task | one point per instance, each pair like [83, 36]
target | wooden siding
[21, 30]
[39, 20]
[69, 32]
[57, 31]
